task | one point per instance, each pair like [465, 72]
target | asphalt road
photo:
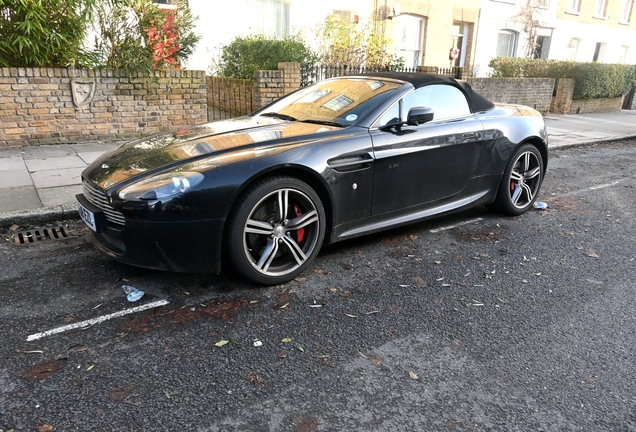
[502, 324]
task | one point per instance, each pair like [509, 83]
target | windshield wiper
[279, 115]
[323, 122]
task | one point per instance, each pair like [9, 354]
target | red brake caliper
[299, 234]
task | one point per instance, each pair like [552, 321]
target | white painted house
[580, 30]
[220, 21]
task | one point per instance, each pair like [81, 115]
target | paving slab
[94, 147]
[54, 178]
[12, 164]
[71, 161]
[89, 157]
[10, 152]
[15, 178]
[19, 198]
[59, 195]
[45, 152]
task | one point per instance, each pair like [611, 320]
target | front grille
[98, 198]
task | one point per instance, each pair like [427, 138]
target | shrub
[592, 80]
[244, 55]
[34, 33]
[136, 35]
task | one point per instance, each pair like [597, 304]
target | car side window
[391, 116]
[447, 101]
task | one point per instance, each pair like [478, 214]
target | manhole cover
[39, 234]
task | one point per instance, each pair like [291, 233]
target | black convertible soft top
[476, 101]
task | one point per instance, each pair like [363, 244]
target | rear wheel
[276, 230]
[521, 181]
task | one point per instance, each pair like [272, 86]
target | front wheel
[521, 181]
[275, 230]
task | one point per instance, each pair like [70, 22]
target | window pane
[505, 44]
[600, 8]
[268, 17]
[627, 11]
[447, 101]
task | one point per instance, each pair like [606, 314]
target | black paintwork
[369, 179]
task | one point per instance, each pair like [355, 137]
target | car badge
[105, 166]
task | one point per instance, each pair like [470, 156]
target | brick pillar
[272, 85]
[562, 98]
[291, 75]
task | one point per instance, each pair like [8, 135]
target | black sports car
[338, 159]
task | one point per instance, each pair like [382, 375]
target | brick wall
[53, 106]
[533, 92]
[600, 105]
[562, 100]
[271, 85]
[629, 102]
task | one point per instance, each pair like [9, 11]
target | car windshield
[341, 102]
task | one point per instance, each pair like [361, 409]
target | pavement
[38, 184]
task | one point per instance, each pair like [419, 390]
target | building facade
[579, 30]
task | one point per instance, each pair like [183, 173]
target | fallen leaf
[300, 348]
[167, 394]
[43, 370]
[286, 340]
[45, 428]
[346, 265]
[413, 376]
[90, 367]
[222, 342]
[376, 360]
[419, 282]
[591, 254]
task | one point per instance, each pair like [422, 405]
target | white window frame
[600, 11]
[268, 17]
[512, 45]
[464, 36]
[409, 40]
[573, 7]
[626, 13]
[573, 48]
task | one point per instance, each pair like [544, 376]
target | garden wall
[562, 102]
[533, 92]
[53, 106]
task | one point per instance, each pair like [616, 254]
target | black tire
[521, 182]
[275, 230]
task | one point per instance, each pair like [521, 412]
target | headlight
[161, 186]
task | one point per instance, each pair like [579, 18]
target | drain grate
[39, 234]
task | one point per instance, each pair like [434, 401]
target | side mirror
[419, 115]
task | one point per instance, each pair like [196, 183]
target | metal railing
[312, 74]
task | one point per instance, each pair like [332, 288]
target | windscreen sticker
[351, 117]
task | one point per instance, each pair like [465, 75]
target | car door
[415, 165]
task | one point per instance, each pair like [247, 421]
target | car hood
[167, 150]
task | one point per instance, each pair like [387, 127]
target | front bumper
[180, 246]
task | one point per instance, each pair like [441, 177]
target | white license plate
[87, 216]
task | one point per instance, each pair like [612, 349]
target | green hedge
[592, 80]
[244, 55]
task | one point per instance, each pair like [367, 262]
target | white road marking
[436, 230]
[604, 186]
[97, 320]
